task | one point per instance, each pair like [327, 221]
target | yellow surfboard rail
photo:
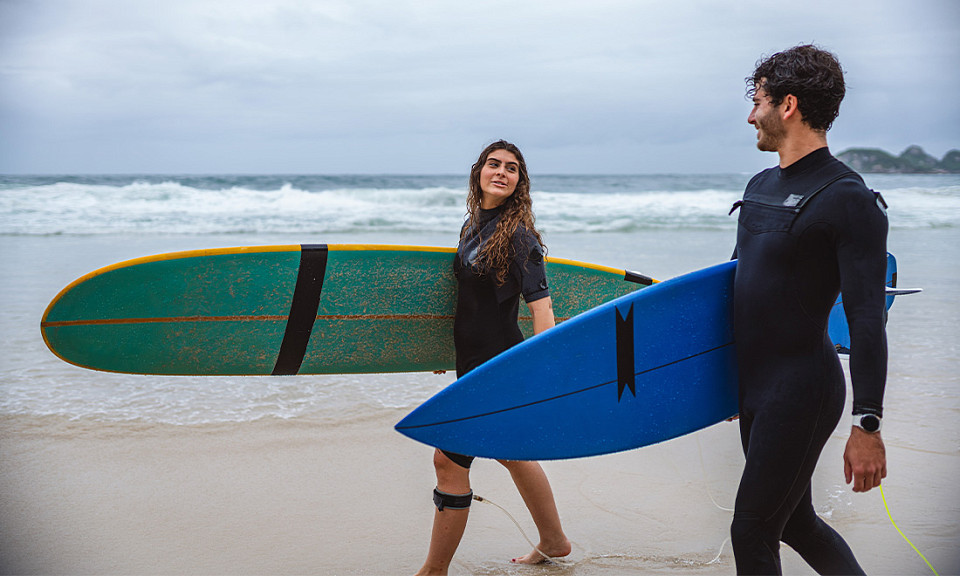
[192, 309]
[293, 248]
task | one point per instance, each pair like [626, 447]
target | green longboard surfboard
[310, 309]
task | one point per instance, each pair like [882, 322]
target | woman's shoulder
[527, 245]
[525, 236]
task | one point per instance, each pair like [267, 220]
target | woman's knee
[451, 477]
[521, 466]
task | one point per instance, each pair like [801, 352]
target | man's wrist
[870, 423]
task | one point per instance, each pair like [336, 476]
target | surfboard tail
[839, 329]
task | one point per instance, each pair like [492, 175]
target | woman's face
[498, 178]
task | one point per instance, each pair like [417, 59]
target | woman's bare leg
[535, 489]
[448, 524]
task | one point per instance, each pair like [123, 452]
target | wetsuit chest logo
[793, 200]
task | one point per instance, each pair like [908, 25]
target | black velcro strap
[303, 309]
[452, 501]
[626, 375]
[637, 278]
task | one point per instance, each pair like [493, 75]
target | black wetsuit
[805, 232]
[486, 316]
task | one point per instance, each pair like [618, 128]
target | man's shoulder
[763, 175]
[851, 189]
[848, 194]
[844, 179]
[761, 181]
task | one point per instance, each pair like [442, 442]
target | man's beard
[771, 134]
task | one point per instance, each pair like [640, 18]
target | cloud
[379, 86]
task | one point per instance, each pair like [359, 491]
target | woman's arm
[542, 312]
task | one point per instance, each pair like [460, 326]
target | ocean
[54, 229]
[57, 228]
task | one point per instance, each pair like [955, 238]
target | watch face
[870, 423]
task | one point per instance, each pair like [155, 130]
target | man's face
[765, 117]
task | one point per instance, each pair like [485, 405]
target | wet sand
[301, 497]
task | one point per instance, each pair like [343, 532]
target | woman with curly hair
[500, 257]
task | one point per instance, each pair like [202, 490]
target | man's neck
[799, 144]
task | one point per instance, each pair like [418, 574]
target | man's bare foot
[537, 557]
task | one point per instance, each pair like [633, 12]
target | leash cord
[515, 523]
[889, 515]
[520, 528]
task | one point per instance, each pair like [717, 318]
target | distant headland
[913, 160]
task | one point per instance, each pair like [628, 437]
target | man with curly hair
[808, 229]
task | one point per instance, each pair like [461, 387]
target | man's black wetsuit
[805, 232]
[486, 316]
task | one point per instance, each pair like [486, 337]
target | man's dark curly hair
[811, 74]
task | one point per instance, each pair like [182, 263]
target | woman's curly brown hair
[811, 74]
[497, 252]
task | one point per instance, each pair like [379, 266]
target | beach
[301, 497]
[120, 474]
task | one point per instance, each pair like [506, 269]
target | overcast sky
[404, 86]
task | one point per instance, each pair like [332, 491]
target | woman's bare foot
[560, 550]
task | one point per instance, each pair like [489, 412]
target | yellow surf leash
[884, 498]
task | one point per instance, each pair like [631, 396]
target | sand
[300, 497]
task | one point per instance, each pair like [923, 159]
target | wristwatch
[868, 422]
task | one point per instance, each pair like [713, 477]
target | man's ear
[790, 107]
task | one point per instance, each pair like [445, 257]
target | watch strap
[872, 425]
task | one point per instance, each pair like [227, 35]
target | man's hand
[864, 460]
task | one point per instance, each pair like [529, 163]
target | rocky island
[913, 160]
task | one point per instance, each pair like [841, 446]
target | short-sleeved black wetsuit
[805, 233]
[486, 315]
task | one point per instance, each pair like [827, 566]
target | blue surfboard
[641, 369]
